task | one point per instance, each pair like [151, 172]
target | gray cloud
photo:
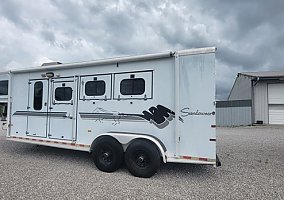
[248, 34]
[48, 36]
[13, 12]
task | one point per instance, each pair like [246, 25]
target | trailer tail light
[203, 159]
[195, 158]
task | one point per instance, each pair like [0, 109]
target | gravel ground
[252, 168]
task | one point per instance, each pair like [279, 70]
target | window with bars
[63, 94]
[132, 86]
[95, 88]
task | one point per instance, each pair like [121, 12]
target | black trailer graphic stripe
[40, 114]
[110, 116]
[160, 116]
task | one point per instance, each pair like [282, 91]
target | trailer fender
[125, 139]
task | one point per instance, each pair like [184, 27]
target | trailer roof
[117, 60]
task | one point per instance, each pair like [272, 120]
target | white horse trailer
[138, 109]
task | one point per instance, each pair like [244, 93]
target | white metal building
[265, 90]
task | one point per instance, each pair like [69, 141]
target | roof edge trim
[119, 60]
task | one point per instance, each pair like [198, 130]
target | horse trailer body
[132, 108]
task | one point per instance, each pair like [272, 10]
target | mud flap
[218, 162]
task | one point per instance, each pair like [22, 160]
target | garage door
[276, 103]
[276, 114]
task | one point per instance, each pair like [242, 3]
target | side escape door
[61, 116]
[37, 108]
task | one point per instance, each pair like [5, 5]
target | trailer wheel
[142, 158]
[107, 154]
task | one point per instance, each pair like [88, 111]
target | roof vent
[51, 63]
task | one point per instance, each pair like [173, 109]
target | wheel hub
[141, 161]
[141, 158]
[106, 155]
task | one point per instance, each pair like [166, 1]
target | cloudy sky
[249, 34]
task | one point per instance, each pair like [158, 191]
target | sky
[249, 34]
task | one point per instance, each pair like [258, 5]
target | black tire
[107, 154]
[142, 158]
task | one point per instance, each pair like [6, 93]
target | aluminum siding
[260, 102]
[233, 116]
[241, 89]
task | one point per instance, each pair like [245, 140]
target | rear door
[37, 108]
[61, 110]
[197, 106]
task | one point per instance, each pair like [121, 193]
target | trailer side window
[95, 88]
[38, 92]
[63, 94]
[4, 87]
[133, 86]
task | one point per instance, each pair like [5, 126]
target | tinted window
[95, 88]
[38, 92]
[3, 87]
[63, 94]
[133, 86]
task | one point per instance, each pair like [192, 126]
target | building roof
[267, 74]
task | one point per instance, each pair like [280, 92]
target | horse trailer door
[37, 108]
[61, 109]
